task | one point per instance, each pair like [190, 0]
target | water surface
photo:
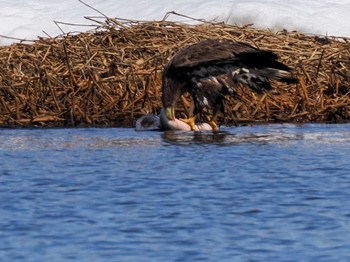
[252, 193]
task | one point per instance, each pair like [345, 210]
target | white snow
[29, 19]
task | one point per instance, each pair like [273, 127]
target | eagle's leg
[213, 120]
[187, 106]
[213, 123]
[191, 121]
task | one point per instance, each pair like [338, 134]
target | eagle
[212, 69]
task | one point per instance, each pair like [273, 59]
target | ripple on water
[249, 193]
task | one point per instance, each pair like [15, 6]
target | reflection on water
[251, 193]
[189, 138]
[275, 134]
[226, 138]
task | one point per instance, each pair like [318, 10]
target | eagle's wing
[219, 52]
[228, 59]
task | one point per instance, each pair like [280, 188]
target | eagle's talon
[214, 126]
[191, 121]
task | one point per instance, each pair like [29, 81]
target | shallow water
[253, 193]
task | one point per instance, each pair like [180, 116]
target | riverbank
[112, 75]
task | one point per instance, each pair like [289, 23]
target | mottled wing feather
[211, 52]
[211, 69]
[226, 59]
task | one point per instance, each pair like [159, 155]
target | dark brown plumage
[211, 69]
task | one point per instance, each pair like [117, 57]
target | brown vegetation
[112, 76]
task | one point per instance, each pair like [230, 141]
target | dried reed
[112, 75]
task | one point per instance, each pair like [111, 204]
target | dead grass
[111, 76]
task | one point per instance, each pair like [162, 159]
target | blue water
[252, 193]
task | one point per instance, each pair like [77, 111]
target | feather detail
[211, 69]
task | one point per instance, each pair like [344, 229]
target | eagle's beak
[170, 112]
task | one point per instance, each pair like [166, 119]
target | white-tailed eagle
[211, 69]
